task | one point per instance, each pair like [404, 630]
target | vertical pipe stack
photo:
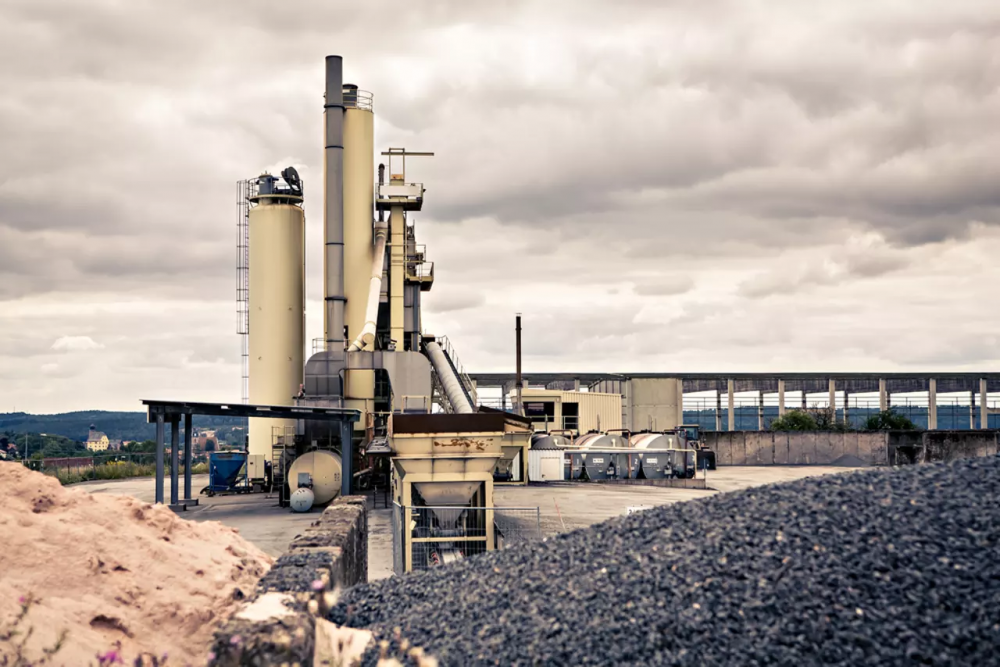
[519, 408]
[333, 208]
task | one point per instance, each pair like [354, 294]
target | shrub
[889, 420]
[795, 420]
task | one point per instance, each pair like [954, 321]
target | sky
[676, 186]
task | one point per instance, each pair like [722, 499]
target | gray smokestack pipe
[333, 207]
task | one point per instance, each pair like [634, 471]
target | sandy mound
[111, 568]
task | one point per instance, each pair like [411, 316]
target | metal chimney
[333, 208]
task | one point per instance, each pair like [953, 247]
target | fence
[953, 412]
[426, 537]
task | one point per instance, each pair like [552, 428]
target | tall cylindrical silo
[359, 205]
[277, 308]
[359, 211]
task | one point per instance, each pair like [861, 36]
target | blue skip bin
[224, 472]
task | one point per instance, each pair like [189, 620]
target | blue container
[224, 471]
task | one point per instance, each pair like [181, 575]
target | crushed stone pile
[877, 567]
[110, 569]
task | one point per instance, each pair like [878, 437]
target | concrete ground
[562, 506]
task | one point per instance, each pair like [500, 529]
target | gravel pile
[875, 567]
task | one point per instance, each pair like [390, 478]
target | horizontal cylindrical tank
[277, 312]
[550, 441]
[601, 441]
[653, 441]
[323, 469]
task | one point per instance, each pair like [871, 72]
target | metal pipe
[333, 209]
[367, 336]
[452, 385]
[519, 408]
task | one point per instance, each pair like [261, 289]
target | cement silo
[277, 303]
[359, 216]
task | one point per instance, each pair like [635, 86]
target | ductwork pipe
[367, 336]
[452, 385]
[333, 210]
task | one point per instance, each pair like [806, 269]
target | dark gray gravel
[876, 567]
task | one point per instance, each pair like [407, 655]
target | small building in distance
[97, 441]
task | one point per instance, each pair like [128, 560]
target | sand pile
[111, 569]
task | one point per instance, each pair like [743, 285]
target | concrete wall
[277, 626]
[755, 448]
[943, 445]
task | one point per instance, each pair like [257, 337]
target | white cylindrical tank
[359, 208]
[277, 312]
[654, 441]
[324, 470]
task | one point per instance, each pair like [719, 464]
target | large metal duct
[452, 385]
[333, 208]
[366, 337]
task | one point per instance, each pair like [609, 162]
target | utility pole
[517, 377]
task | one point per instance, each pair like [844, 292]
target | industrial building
[381, 403]
[662, 401]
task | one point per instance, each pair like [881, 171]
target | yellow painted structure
[596, 411]
[277, 311]
[359, 206]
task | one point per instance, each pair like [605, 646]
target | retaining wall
[869, 448]
[277, 625]
[762, 448]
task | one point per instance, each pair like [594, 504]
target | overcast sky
[680, 186]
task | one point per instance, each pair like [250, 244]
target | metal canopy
[161, 412]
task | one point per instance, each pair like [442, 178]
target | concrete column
[732, 406]
[188, 447]
[175, 445]
[760, 410]
[718, 410]
[576, 385]
[984, 408]
[932, 404]
[847, 416]
[159, 459]
[972, 409]
[781, 398]
[803, 398]
[883, 396]
[833, 400]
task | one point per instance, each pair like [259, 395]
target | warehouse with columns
[747, 401]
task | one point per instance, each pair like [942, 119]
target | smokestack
[517, 353]
[333, 207]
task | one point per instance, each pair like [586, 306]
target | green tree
[889, 420]
[795, 420]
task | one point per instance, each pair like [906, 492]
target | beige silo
[277, 310]
[359, 209]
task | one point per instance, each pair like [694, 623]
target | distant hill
[117, 425]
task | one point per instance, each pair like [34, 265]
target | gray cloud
[591, 158]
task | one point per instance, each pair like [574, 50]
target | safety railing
[427, 537]
[355, 98]
[463, 377]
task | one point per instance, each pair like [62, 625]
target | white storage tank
[276, 305]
